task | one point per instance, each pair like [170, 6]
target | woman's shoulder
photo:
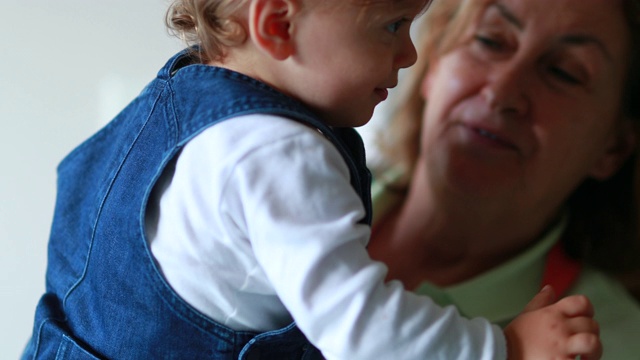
[617, 312]
[608, 292]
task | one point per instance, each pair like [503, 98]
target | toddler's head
[339, 57]
[215, 25]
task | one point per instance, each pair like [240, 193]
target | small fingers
[586, 345]
[546, 296]
[585, 340]
[576, 305]
[583, 324]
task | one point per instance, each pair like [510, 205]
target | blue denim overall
[105, 297]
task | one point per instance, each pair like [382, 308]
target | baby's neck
[250, 62]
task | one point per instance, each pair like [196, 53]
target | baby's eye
[396, 25]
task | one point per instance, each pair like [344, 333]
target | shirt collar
[517, 281]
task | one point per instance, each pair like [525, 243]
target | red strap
[560, 270]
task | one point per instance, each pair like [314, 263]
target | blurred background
[66, 68]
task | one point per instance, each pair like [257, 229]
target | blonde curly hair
[211, 24]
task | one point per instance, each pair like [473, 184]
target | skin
[364, 62]
[293, 40]
[521, 111]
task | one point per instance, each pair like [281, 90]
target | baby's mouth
[383, 93]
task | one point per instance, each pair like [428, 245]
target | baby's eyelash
[396, 25]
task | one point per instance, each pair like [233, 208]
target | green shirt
[501, 293]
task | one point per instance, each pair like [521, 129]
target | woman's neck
[432, 236]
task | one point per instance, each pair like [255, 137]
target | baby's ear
[270, 24]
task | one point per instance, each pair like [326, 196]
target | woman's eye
[564, 76]
[489, 42]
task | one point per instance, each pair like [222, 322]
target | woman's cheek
[458, 76]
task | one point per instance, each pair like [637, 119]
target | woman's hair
[400, 144]
[603, 225]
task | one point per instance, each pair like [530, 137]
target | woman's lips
[490, 130]
[492, 138]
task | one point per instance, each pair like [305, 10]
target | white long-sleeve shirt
[256, 226]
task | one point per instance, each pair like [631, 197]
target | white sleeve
[301, 215]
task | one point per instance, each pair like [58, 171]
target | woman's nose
[506, 90]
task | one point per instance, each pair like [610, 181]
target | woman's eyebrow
[583, 39]
[573, 39]
[508, 15]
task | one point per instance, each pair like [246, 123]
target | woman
[520, 169]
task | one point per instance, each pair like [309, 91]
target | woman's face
[527, 104]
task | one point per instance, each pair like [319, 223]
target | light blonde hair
[603, 229]
[211, 24]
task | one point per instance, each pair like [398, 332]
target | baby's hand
[547, 330]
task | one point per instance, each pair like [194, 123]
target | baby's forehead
[414, 6]
[423, 4]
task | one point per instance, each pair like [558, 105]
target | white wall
[66, 67]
